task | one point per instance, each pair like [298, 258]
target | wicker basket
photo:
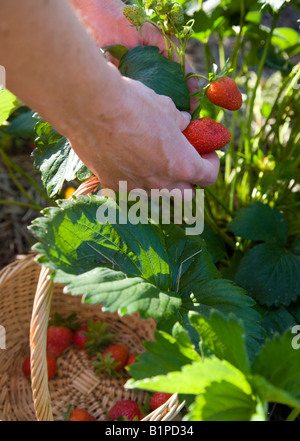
[27, 298]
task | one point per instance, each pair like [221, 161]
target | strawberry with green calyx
[112, 360]
[125, 410]
[206, 135]
[223, 91]
[59, 333]
[93, 337]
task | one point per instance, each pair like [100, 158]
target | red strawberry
[93, 337]
[207, 135]
[125, 410]
[80, 415]
[158, 399]
[131, 359]
[112, 360]
[58, 339]
[51, 365]
[224, 92]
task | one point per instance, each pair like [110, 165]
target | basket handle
[38, 329]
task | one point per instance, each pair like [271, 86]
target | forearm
[51, 62]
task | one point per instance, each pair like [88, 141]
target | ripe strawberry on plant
[207, 135]
[59, 333]
[112, 360]
[126, 410]
[223, 92]
[158, 399]
[93, 337]
[51, 366]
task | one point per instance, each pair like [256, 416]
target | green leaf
[227, 298]
[146, 64]
[253, 17]
[223, 401]
[278, 363]
[260, 222]
[123, 266]
[276, 62]
[285, 38]
[277, 320]
[8, 104]
[116, 50]
[194, 378]
[189, 259]
[224, 336]
[214, 243]
[275, 5]
[56, 160]
[22, 126]
[296, 245]
[270, 274]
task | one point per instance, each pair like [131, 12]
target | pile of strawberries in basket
[108, 358]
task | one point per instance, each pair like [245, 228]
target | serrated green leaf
[273, 394]
[167, 353]
[261, 223]
[223, 401]
[56, 160]
[125, 267]
[270, 274]
[146, 64]
[225, 337]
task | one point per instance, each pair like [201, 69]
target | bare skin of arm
[118, 127]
